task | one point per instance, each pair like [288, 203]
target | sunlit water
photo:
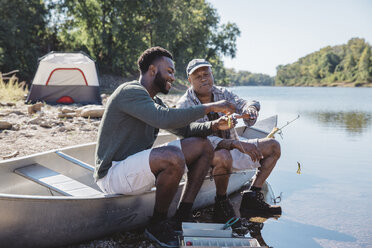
[330, 203]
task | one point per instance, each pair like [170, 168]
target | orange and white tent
[65, 78]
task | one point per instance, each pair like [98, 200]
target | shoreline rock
[5, 125]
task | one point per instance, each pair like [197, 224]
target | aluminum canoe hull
[34, 216]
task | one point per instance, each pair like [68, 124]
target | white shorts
[131, 176]
[242, 161]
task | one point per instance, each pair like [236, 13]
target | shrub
[11, 90]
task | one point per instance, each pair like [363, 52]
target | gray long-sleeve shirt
[132, 120]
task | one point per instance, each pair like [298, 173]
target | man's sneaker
[162, 233]
[253, 203]
[223, 211]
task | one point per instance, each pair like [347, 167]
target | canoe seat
[56, 181]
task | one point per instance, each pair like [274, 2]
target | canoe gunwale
[45, 153]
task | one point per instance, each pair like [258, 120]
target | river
[329, 203]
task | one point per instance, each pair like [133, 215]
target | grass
[11, 90]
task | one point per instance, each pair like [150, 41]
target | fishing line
[226, 174]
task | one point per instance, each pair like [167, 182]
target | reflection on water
[255, 232]
[255, 224]
[353, 122]
[297, 234]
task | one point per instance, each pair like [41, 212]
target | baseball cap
[195, 64]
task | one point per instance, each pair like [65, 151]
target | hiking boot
[253, 203]
[223, 211]
[162, 233]
[176, 222]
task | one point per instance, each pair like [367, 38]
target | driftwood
[21, 84]
[9, 73]
[11, 155]
[66, 115]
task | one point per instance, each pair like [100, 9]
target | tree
[110, 31]
[113, 32]
[116, 32]
[364, 65]
[246, 78]
[23, 35]
[190, 29]
[339, 64]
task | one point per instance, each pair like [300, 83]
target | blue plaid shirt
[190, 99]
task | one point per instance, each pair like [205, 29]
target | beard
[161, 83]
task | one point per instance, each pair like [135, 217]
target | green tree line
[346, 65]
[113, 32]
[246, 78]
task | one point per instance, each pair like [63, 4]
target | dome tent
[65, 78]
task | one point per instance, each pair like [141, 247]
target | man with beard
[126, 162]
[230, 152]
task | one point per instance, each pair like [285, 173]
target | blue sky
[275, 32]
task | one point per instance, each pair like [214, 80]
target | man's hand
[224, 123]
[222, 106]
[249, 113]
[248, 148]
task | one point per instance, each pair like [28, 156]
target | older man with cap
[230, 152]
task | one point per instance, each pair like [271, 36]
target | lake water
[330, 203]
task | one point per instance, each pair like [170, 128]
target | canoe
[50, 199]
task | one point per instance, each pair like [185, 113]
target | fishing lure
[229, 121]
[299, 168]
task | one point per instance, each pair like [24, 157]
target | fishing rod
[279, 129]
[270, 135]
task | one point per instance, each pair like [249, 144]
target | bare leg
[168, 165]
[222, 164]
[222, 167]
[198, 154]
[270, 149]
